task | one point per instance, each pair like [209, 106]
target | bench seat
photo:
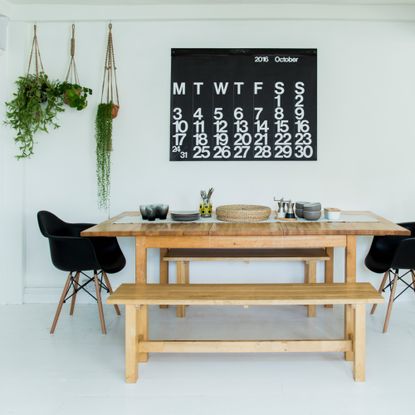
[246, 294]
[183, 257]
[138, 297]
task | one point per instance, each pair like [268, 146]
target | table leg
[141, 278]
[329, 270]
[350, 277]
[140, 261]
[131, 366]
[164, 270]
[359, 342]
[310, 272]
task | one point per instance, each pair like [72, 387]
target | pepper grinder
[290, 210]
[281, 208]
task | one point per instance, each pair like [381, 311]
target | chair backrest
[50, 225]
[69, 251]
[382, 252]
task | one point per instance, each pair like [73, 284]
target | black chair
[388, 255]
[77, 255]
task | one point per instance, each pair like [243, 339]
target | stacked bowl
[299, 208]
[312, 211]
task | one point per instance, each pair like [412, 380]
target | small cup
[151, 213]
[143, 211]
[161, 211]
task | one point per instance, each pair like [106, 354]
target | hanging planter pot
[107, 111]
[35, 104]
[114, 110]
[73, 94]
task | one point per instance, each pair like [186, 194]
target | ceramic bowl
[312, 207]
[332, 213]
[300, 205]
[312, 215]
[299, 212]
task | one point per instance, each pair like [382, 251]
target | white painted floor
[79, 371]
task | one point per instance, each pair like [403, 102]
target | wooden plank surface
[246, 254]
[244, 346]
[382, 227]
[246, 294]
[243, 242]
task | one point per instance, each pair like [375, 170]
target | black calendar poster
[243, 104]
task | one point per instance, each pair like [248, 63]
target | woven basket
[242, 213]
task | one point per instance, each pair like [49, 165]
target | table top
[381, 227]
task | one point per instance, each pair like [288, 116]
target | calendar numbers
[250, 104]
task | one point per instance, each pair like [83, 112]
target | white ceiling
[166, 2]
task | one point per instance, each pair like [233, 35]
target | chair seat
[378, 265]
[113, 265]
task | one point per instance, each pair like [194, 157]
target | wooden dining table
[270, 234]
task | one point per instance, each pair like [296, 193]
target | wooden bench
[183, 257]
[137, 297]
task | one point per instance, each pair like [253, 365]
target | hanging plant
[74, 95]
[35, 105]
[107, 111]
[103, 132]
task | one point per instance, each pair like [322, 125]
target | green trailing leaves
[103, 136]
[36, 105]
[34, 108]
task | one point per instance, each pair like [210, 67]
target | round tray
[242, 213]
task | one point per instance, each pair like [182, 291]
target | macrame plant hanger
[35, 57]
[72, 74]
[109, 90]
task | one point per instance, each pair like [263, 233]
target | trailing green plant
[107, 111]
[34, 108]
[103, 136]
[74, 95]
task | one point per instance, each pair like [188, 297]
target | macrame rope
[72, 74]
[35, 54]
[109, 82]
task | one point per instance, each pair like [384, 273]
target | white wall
[366, 138]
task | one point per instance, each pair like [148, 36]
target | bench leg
[142, 329]
[310, 277]
[359, 343]
[164, 270]
[182, 276]
[329, 270]
[131, 366]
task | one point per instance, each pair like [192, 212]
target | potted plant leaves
[107, 111]
[35, 104]
[74, 95]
